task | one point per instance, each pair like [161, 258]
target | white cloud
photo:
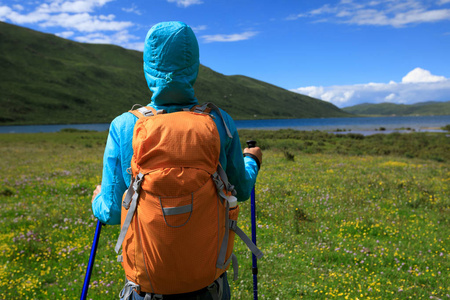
[185, 3]
[421, 75]
[122, 38]
[73, 18]
[65, 34]
[199, 28]
[95, 38]
[85, 22]
[7, 14]
[397, 13]
[67, 14]
[229, 37]
[133, 9]
[77, 6]
[18, 7]
[417, 86]
[391, 97]
[4, 11]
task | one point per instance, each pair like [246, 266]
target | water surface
[356, 125]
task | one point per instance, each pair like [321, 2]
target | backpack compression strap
[129, 203]
[220, 178]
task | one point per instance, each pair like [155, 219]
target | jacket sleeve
[107, 205]
[241, 171]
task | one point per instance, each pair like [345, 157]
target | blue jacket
[171, 63]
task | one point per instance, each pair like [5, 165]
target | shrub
[288, 155]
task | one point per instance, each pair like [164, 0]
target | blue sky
[345, 51]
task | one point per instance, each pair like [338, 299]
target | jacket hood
[171, 62]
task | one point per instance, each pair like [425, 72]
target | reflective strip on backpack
[170, 211]
[131, 202]
[178, 210]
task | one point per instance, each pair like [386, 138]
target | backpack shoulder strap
[207, 108]
[146, 111]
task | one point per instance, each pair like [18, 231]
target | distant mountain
[388, 109]
[45, 79]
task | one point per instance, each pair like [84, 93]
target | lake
[355, 125]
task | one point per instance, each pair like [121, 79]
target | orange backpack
[179, 214]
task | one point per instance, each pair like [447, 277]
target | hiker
[171, 64]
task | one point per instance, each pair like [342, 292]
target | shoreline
[364, 125]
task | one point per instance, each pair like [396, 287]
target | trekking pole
[87, 278]
[252, 144]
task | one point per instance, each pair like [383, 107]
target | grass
[431, 108]
[413, 145]
[331, 225]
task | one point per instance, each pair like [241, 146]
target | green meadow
[339, 216]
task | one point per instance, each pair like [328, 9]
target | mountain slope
[389, 109]
[45, 79]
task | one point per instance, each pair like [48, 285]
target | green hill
[388, 109]
[45, 79]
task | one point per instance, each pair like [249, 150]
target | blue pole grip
[87, 278]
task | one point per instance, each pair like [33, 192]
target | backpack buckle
[137, 183]
[233, 224]
[218, 181]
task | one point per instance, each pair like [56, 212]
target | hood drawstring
[169, 77]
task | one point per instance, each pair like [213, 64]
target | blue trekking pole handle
[252, 144]
[87, 278]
